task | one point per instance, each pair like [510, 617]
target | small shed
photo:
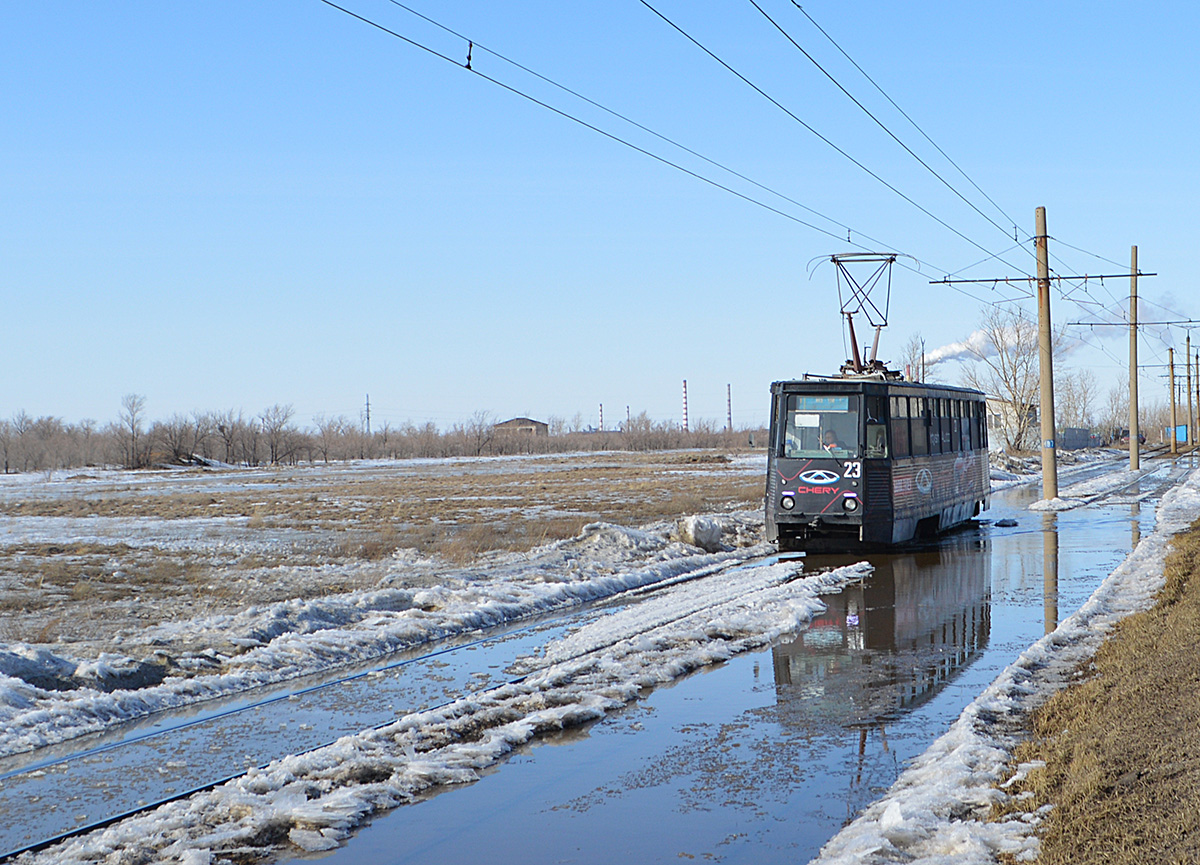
[523, 426]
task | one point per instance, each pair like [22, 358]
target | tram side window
[947, 442]
[956, 424]
[919, 418]
[900, 446]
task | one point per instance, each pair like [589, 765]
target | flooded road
[765, 757]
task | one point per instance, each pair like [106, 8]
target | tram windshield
[821, 426]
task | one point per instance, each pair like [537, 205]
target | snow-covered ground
[272, 643]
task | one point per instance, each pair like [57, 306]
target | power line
[516, 91]
[877, 121]
[804, 12]
[586, 125]
[479, 47]
[797, 119]
[471, 68]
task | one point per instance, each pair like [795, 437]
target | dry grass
[1123, 747]
[457, 512]
[630, 488]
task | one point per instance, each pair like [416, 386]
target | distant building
[523, 426]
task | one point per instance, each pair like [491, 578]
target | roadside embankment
[1122, 748]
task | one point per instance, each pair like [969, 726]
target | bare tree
[7, 441]
[480, 430]
[133, 408]
[1075, 398]
[331, 434]
[1005, 354]
[911, 356]
[276, 427]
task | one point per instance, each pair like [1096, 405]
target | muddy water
[766, 757]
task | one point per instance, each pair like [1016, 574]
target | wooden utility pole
[1045, 360]
[1174, 417]
[1187, 363]
[1134, 454]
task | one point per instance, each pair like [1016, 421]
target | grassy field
[1122, 748]
[89, 555]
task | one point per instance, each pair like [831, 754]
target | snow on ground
[314, 800]
[935, 811]
[1008, 471]
[1086, 492]
[272, 643]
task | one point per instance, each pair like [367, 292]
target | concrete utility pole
[1186, 355]
[1045, 360]
[729, 406]
[1174, 417]
[1134, 454]
[601, 417]
[685, 422]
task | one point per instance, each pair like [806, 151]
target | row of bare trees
[274, 437]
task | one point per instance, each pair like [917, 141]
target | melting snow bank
[270, 644]
[314, 800]
[936, 810]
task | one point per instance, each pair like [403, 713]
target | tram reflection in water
[886, 646]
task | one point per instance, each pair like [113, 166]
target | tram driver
[830, 441]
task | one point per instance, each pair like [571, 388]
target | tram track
[96, 786]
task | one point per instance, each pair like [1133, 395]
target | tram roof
[812, 383]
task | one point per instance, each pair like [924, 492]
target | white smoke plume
[974, 347]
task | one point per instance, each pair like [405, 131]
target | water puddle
[764, 758]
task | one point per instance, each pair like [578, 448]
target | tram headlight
[787, 502]
[850, 504]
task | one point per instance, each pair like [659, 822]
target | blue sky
[230, 205]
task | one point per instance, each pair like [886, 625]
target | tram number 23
[853, 469]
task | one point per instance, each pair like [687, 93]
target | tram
[870, 459]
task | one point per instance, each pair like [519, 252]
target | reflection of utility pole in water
[1050, 569]
[1135, 523]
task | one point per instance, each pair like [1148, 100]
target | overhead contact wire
[631, 121]
[904, 114]
[877, 121]
[592, 127]
[827, 141]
